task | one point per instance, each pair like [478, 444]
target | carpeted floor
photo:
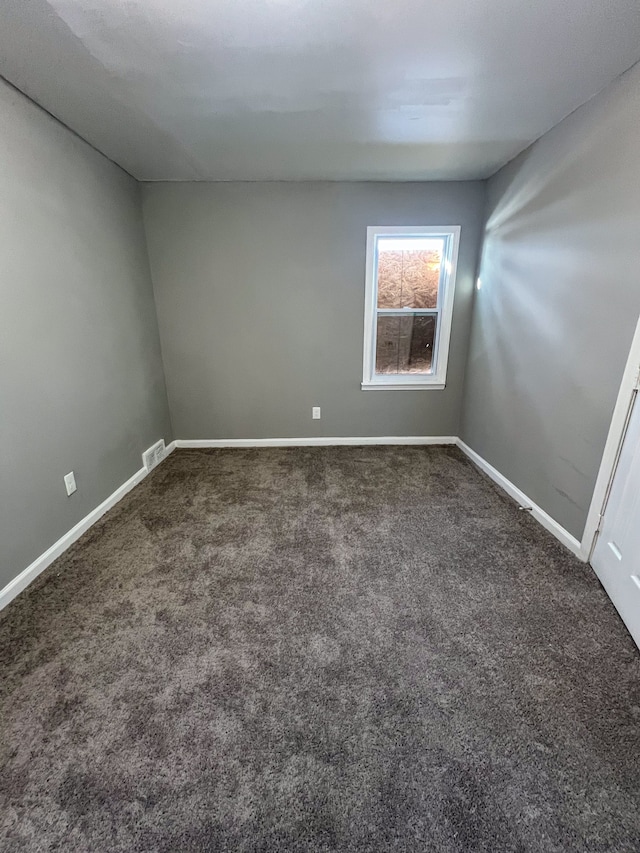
[327, 649]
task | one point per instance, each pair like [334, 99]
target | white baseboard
[316, 441]
[15, 586]
[519, 496]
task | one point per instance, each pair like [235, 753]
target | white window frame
[437, 378]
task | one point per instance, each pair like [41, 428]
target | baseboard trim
[21, 581]
[28, 575]
[519, 496]
[315, 441]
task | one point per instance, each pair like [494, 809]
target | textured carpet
[328, 649]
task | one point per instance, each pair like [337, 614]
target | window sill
[402, 386]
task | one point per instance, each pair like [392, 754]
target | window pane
[409, 272]
[404, 345]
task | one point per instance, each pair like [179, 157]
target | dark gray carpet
[330, 649]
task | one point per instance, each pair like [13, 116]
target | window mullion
[407, 312]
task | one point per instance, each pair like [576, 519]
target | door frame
[627, 394]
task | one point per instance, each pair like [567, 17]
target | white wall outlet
[154, 455]
[70, 482]
[315, 413]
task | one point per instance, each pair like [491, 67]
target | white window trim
[432, 381]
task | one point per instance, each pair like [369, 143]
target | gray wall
[260, 296]
[81, 382]
[560, 298]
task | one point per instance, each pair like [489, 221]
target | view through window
[409, 272]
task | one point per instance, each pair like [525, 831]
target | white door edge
[615, 438]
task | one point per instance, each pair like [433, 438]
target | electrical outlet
[70, 482]
[154, 455]
[315, 413]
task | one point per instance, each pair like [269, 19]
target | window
[411, 274]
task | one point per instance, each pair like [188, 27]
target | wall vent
[154, 455]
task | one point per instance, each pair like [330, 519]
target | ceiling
[314, 89]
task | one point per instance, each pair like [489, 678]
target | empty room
[320, 440]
